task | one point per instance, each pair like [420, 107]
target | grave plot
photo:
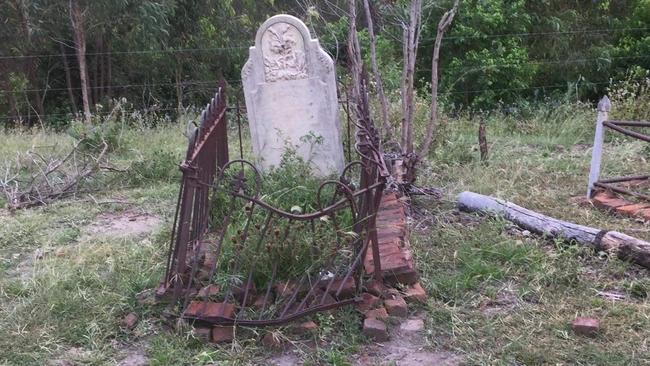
[265, 242]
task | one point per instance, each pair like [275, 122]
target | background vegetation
[165, 55]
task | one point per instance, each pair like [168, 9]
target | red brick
[221, 334]
[208, 291]
[209, 309]
[130, 320]
[368, 302]
[607, 201]
[305, 327]
[391, 293]
[203, 333]
[585, 326]
[259, 301]
[415, 293]
[396, 307]
[379, 313]
[375, 329]
[644, 214]
[238, 293]
[406, 276]
[348, 287]
[272, 340]
[375, 287]
[632, 209]
[286, 289]
[318, 295]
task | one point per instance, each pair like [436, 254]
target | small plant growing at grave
[277, 247]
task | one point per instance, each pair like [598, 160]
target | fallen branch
[39, 180]
[624, 246]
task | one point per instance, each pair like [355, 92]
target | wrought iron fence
[237, 258]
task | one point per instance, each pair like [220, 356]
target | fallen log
[623, 246]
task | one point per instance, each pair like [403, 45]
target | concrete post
[596, 153]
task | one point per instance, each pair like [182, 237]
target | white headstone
[290, 90]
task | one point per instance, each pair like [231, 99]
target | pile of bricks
[609, 201]
[381, 301]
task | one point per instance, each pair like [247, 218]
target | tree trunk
[622, 245]
[411, 35]
[179, 91]
[30, 66]
[109, 63]
[102, 75]
[482, 141]
[77, 17]
[443, 25]
[375, 69]
[354, 53]
[68, 79]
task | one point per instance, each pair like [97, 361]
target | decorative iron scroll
[235, 258]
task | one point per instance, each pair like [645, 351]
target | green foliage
[93, 137]
[273, 243]
[160, 166]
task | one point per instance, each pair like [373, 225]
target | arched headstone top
[290, 89]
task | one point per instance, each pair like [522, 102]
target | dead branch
[443, 25]
[375, 70]
[38, 180]
[624, 246]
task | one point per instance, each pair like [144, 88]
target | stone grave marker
[290, 90]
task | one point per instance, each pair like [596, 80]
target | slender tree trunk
[411, 38]
[68, 79]
[102, 75]
[482, 141]
[375, 70]
[109, 63]
[14, 109]
[443, 25]
[77, 19]
[30, 66]
[354, 52]
[179, 91]
[94, 72]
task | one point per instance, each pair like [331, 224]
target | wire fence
[209, 85]
[247, 46]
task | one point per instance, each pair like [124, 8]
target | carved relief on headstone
[291, 102]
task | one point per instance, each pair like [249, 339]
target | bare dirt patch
[405, 348]
[122, 224]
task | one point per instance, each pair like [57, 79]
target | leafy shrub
[631, 98]
[92, 137]
[161, 166]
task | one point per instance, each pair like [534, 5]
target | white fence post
[597, 151]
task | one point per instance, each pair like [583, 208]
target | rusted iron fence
[622, 127]
[235, 258]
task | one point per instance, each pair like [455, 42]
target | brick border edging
[609, 201]
[397, 264]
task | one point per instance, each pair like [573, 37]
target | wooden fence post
[597, 151]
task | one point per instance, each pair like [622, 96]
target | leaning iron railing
[228, 252]
[610, 184]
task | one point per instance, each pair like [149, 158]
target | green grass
[496, 297]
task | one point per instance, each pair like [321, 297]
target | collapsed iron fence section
[236, 258]
[619, 126]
